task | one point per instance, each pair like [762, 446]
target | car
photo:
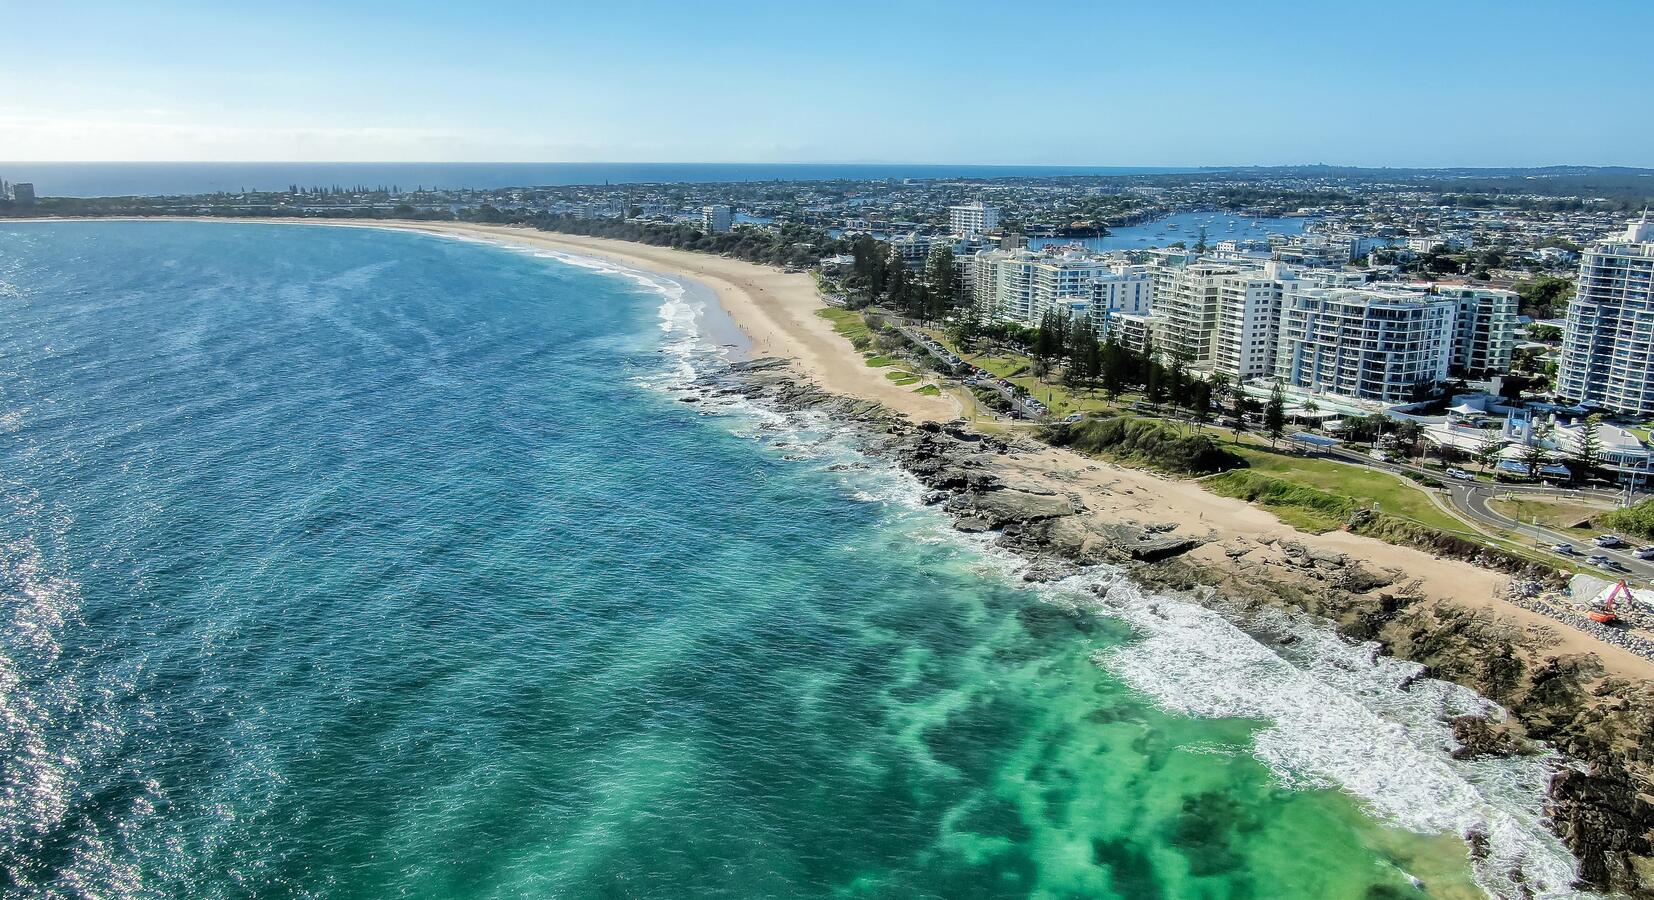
[1600, 561]
[1609, 540]
[1564, 549]
[1075, 417]
[1460, 474]
[1643, 553]
[1379, 455]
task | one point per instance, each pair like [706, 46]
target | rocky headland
[1601, 801]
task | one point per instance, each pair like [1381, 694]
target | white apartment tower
[973, 218]
[1249, 312]
[717, 219]
[1186, 310]
[1124, 289]
[1608, 340]
[1371, 345]
[1484, 330]
[1022, 286]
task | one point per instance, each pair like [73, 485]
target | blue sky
[1450, 82]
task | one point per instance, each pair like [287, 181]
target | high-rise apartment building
[1484, 328]
[1608, 339]
[1366, 344]
[717, 219]
[973, 218]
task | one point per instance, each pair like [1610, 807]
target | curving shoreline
[1565, 688]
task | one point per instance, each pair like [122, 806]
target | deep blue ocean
[164, 178]
[342, 562]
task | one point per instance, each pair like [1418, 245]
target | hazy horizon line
[984, 165]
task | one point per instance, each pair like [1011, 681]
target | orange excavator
[1606, 615]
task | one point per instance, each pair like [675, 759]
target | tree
[1242, 405]
[1587, 451]
[1534, 458]
[941, 282]
[1177, 384]
[1274, 414]
[967, 327]
[1487, 449]
[895, 280]
[1117, 367]
[1200, 401]
[1048, 342]
[1219, 384]
[1154, 381]
[1084, 352]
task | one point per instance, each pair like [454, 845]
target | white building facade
[1608, 338]
[973, 218]
[1370, 345]
[717, 219]
[1484, 331]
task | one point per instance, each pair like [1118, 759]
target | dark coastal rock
[1480, 737]
[1005, 507]
[1605, 825]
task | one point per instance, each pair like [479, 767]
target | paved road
[1029, 410]
[1473, 499]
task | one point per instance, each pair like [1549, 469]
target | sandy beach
[776, 310]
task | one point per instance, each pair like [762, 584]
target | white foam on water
[1339, 715]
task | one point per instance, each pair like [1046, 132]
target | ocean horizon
[101, 179]
[354, 562]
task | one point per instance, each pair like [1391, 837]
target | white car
[1600, 561]
[1643, 553]
[1075, 417]
[1609, 540]
[1460, 474]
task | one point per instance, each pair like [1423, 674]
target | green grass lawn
[846, 322]
[1394, 495]
[928, 390]
[878, 362]
[902, 378]
[1562, 515]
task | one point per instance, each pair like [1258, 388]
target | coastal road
[1473, 499]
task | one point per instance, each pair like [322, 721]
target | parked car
[1600, 561]
[1564, 549]
[1379, 455]
[1609, 540]
[1460, 474]
[1643, 553]
[1075, 417]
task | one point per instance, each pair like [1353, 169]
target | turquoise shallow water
[348, 563]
